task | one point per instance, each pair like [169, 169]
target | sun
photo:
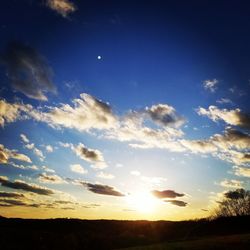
[143, 202]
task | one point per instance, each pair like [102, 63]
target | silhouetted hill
[109, 234]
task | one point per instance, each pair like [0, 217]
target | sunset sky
[123, 109]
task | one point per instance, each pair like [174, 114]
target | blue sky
[166, 107]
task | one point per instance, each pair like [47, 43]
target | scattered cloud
[210, 85]
[49, 148]
[49, 170]
[62, 7]
[164, 115]
[24, 138]
[166, 194]
[78, 169]
[231, 183]
[87, 113]
[242, 171]
[224, 101]
[104, 175]
[102, 189]
[90, 155]
[6, 154]
[19, 184]
[11, 195]
[31, 146]
[232, 117]
[177, 203]
[28, 71]
[53, 179]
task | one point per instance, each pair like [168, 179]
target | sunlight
[143, 202]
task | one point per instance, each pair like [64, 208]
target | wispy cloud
[210, 85]
[28, 71]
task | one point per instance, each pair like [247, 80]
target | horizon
[123, 110]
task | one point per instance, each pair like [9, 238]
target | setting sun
[142, 202]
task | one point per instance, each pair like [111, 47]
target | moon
[99, 57]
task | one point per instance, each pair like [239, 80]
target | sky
[123, 109]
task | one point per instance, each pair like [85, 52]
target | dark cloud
[177, 203]
[17, 184]
[28, 71]
[11, 195]
[12, 202]
[165, 115]
[102, 189]
[166, 194]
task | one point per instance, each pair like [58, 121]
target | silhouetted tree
[235, 203]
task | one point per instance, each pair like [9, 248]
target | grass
[229, 242]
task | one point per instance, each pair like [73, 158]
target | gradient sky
[123, 109]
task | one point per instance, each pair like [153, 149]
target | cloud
[11, 195]
[53, 179]
[87, 113]
[78, 169]
[46, 169]
[166, 194]
[102, 189]
[242, 171]
[31, 146]
[177, 203]
[131, 128]
[164, 115]
[28, 71]
[135, 172]
[231, 183]
[210, 85]
[62, 7]
[231, 146]
[6, 154]
[18, 184]
[49, 148]
[24, 138]
[8, 112]
[224, 101]
[104, 175]
[90, 155]
[233, 117]
[20, 166]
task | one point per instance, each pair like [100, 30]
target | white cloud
[6, 154]
[231, 183]
[210, 85]
[242, 171]
[104, 175]
[78, 169]
[49, 148]
[232, 117]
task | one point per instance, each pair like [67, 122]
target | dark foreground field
[223, 233]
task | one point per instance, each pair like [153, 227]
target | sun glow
[143, 202]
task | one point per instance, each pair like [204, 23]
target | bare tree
[235, 203]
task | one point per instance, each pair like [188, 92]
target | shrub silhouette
[235, 203]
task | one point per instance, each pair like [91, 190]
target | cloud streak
[18, 184]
